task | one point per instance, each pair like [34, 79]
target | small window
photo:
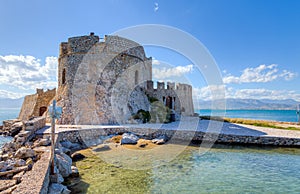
[136, 77]
[63, 80]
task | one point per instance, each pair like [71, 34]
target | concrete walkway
[191, 124]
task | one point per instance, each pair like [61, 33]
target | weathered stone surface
[129, 138]
[64, 163]
[69, 145]
[56, 188]
[42, 142]
[36, 104]
[24, 153]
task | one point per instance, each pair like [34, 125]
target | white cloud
[215, 92]
[163, 73]
[13, 95]
[260, 74]
[155, 62]
[27, 72]
[156, 7]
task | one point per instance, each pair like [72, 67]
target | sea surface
[223, 169]
[5, 114]
[272, 115]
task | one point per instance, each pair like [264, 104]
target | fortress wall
[94, 72]
[184, 91]
[28, 106]
[32, 104]
[181, 95]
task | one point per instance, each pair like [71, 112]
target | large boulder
[24, 153]
[56, 188]
[64, 163]
[129, 138]
[69, 145]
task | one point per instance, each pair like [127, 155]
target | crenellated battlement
[170, 86]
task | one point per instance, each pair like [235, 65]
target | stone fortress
[109, 81]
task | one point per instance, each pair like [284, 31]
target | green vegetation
[259, 123]
[143, 115]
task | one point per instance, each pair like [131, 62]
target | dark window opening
[43, 109]
[169, 102]
[136, 77]
[63, 77]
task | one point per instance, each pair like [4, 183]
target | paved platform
[190, 124]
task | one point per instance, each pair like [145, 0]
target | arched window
[63, 79]
[136, 77]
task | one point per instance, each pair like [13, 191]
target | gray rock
[129, 138]
[43, 142]
[70, 145]
[20, 162]
[24, 152]
[3, 166]
[160, 140]
[75, 172]
[56, 188]
[64, 163]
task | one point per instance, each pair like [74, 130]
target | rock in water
[101, 147]
[56, 188]
[129, 138]
[160, 140]
[75, 172]
[64, 163]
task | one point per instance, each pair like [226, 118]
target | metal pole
[53, 136]
[298, 113]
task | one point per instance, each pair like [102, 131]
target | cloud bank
[260, 74]
[27, 73]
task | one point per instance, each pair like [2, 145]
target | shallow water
[223, 169]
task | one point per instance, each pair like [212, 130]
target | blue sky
[255, 43]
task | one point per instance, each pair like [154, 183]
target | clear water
[5, 114]
[274, 115]
[224, 169]
[8, 113]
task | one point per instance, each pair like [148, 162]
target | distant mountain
[252, 104]
[11, 103]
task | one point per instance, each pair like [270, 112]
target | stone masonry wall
[180, 96]
[36, 104]
[95, 82]
[86, 135]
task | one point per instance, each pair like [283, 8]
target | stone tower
[98, 77]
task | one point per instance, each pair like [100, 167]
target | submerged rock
[64, 163]
[129, 138]
[160, 140]
[101, 147]
[56, 188]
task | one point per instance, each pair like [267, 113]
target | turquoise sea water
[229, 169]
[223, 169]
[274, 115]
[8, 113]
